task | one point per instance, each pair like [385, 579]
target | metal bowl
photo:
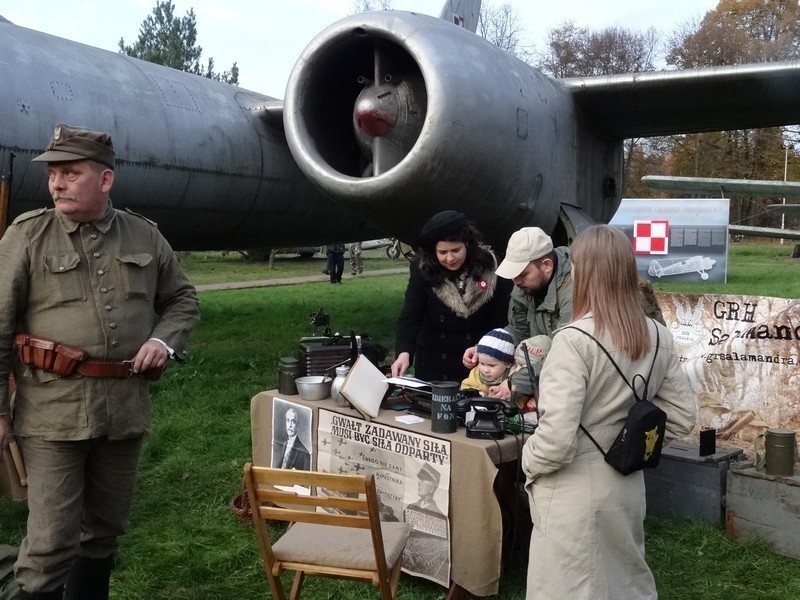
[314, 387]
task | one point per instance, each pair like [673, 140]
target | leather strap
[63, 360]
[119, 369]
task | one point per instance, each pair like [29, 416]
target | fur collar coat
[439, 322]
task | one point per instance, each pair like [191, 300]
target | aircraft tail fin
[463, 13]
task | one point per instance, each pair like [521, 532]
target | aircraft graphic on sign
[695, 264]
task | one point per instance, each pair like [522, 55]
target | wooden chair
[345, 540]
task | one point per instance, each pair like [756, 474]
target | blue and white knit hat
[497, 344]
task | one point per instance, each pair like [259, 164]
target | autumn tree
[646, 157]
[736, 32]
[573, 51]
[171, 41]
[502, 26]
[360, 6]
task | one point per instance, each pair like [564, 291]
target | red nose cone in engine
[375, 114]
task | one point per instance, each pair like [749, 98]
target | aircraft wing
[785, 208]
[690, 101]
[768, 232]
[717, 186]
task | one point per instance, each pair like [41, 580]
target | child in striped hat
[495, 359]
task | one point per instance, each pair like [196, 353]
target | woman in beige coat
[588, 534]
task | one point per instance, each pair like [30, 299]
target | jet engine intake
[399, 115]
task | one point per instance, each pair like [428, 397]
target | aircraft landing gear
[393, 251]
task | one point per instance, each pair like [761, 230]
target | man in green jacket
[93, 303]
[541, 300]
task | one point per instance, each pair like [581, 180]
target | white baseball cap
[525, 245]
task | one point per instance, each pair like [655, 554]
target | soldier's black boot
[88, 579]
[20, 594]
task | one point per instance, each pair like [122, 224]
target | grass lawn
[184, 542]
[221, 267]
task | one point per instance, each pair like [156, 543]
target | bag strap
[621, 374]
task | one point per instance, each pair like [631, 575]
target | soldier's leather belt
[64, 360]
[115, 368]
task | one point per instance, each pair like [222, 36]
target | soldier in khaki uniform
[95, 302]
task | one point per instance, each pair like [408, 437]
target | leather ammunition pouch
[64, 360]
[49, 355]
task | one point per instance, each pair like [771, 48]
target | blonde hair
[605, 284]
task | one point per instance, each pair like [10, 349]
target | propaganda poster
[412, 475]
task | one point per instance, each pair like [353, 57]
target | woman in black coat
[453, 298]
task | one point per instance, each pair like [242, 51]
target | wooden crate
[686, 484]
[764, 507]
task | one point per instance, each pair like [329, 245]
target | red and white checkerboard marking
[651, 237]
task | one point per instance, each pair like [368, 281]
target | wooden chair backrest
[347, 501]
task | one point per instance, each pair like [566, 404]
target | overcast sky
[265, 37]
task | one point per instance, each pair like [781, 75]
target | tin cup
[776, 452]
[443, 406]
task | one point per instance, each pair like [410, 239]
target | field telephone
[484, 418]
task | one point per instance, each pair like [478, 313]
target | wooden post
[16, 455]
[19, 465]
[5, 193]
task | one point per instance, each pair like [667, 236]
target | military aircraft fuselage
[388, 118]
[197, 156]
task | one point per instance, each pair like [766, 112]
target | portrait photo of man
[427, 550]
[427, 484]
[291, 436]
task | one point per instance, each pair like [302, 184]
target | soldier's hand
[151, 354]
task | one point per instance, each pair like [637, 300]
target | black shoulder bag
[638, 444]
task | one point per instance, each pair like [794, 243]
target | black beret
[442, 225]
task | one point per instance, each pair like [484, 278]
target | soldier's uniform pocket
[136, 275]
[64, 280]
[48, 404]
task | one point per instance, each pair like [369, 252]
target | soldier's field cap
[428, 473]
[78, 143]
[525, 245]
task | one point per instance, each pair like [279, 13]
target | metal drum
[776, 452]
[289, 369]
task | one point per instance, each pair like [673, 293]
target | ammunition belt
[64, 360]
